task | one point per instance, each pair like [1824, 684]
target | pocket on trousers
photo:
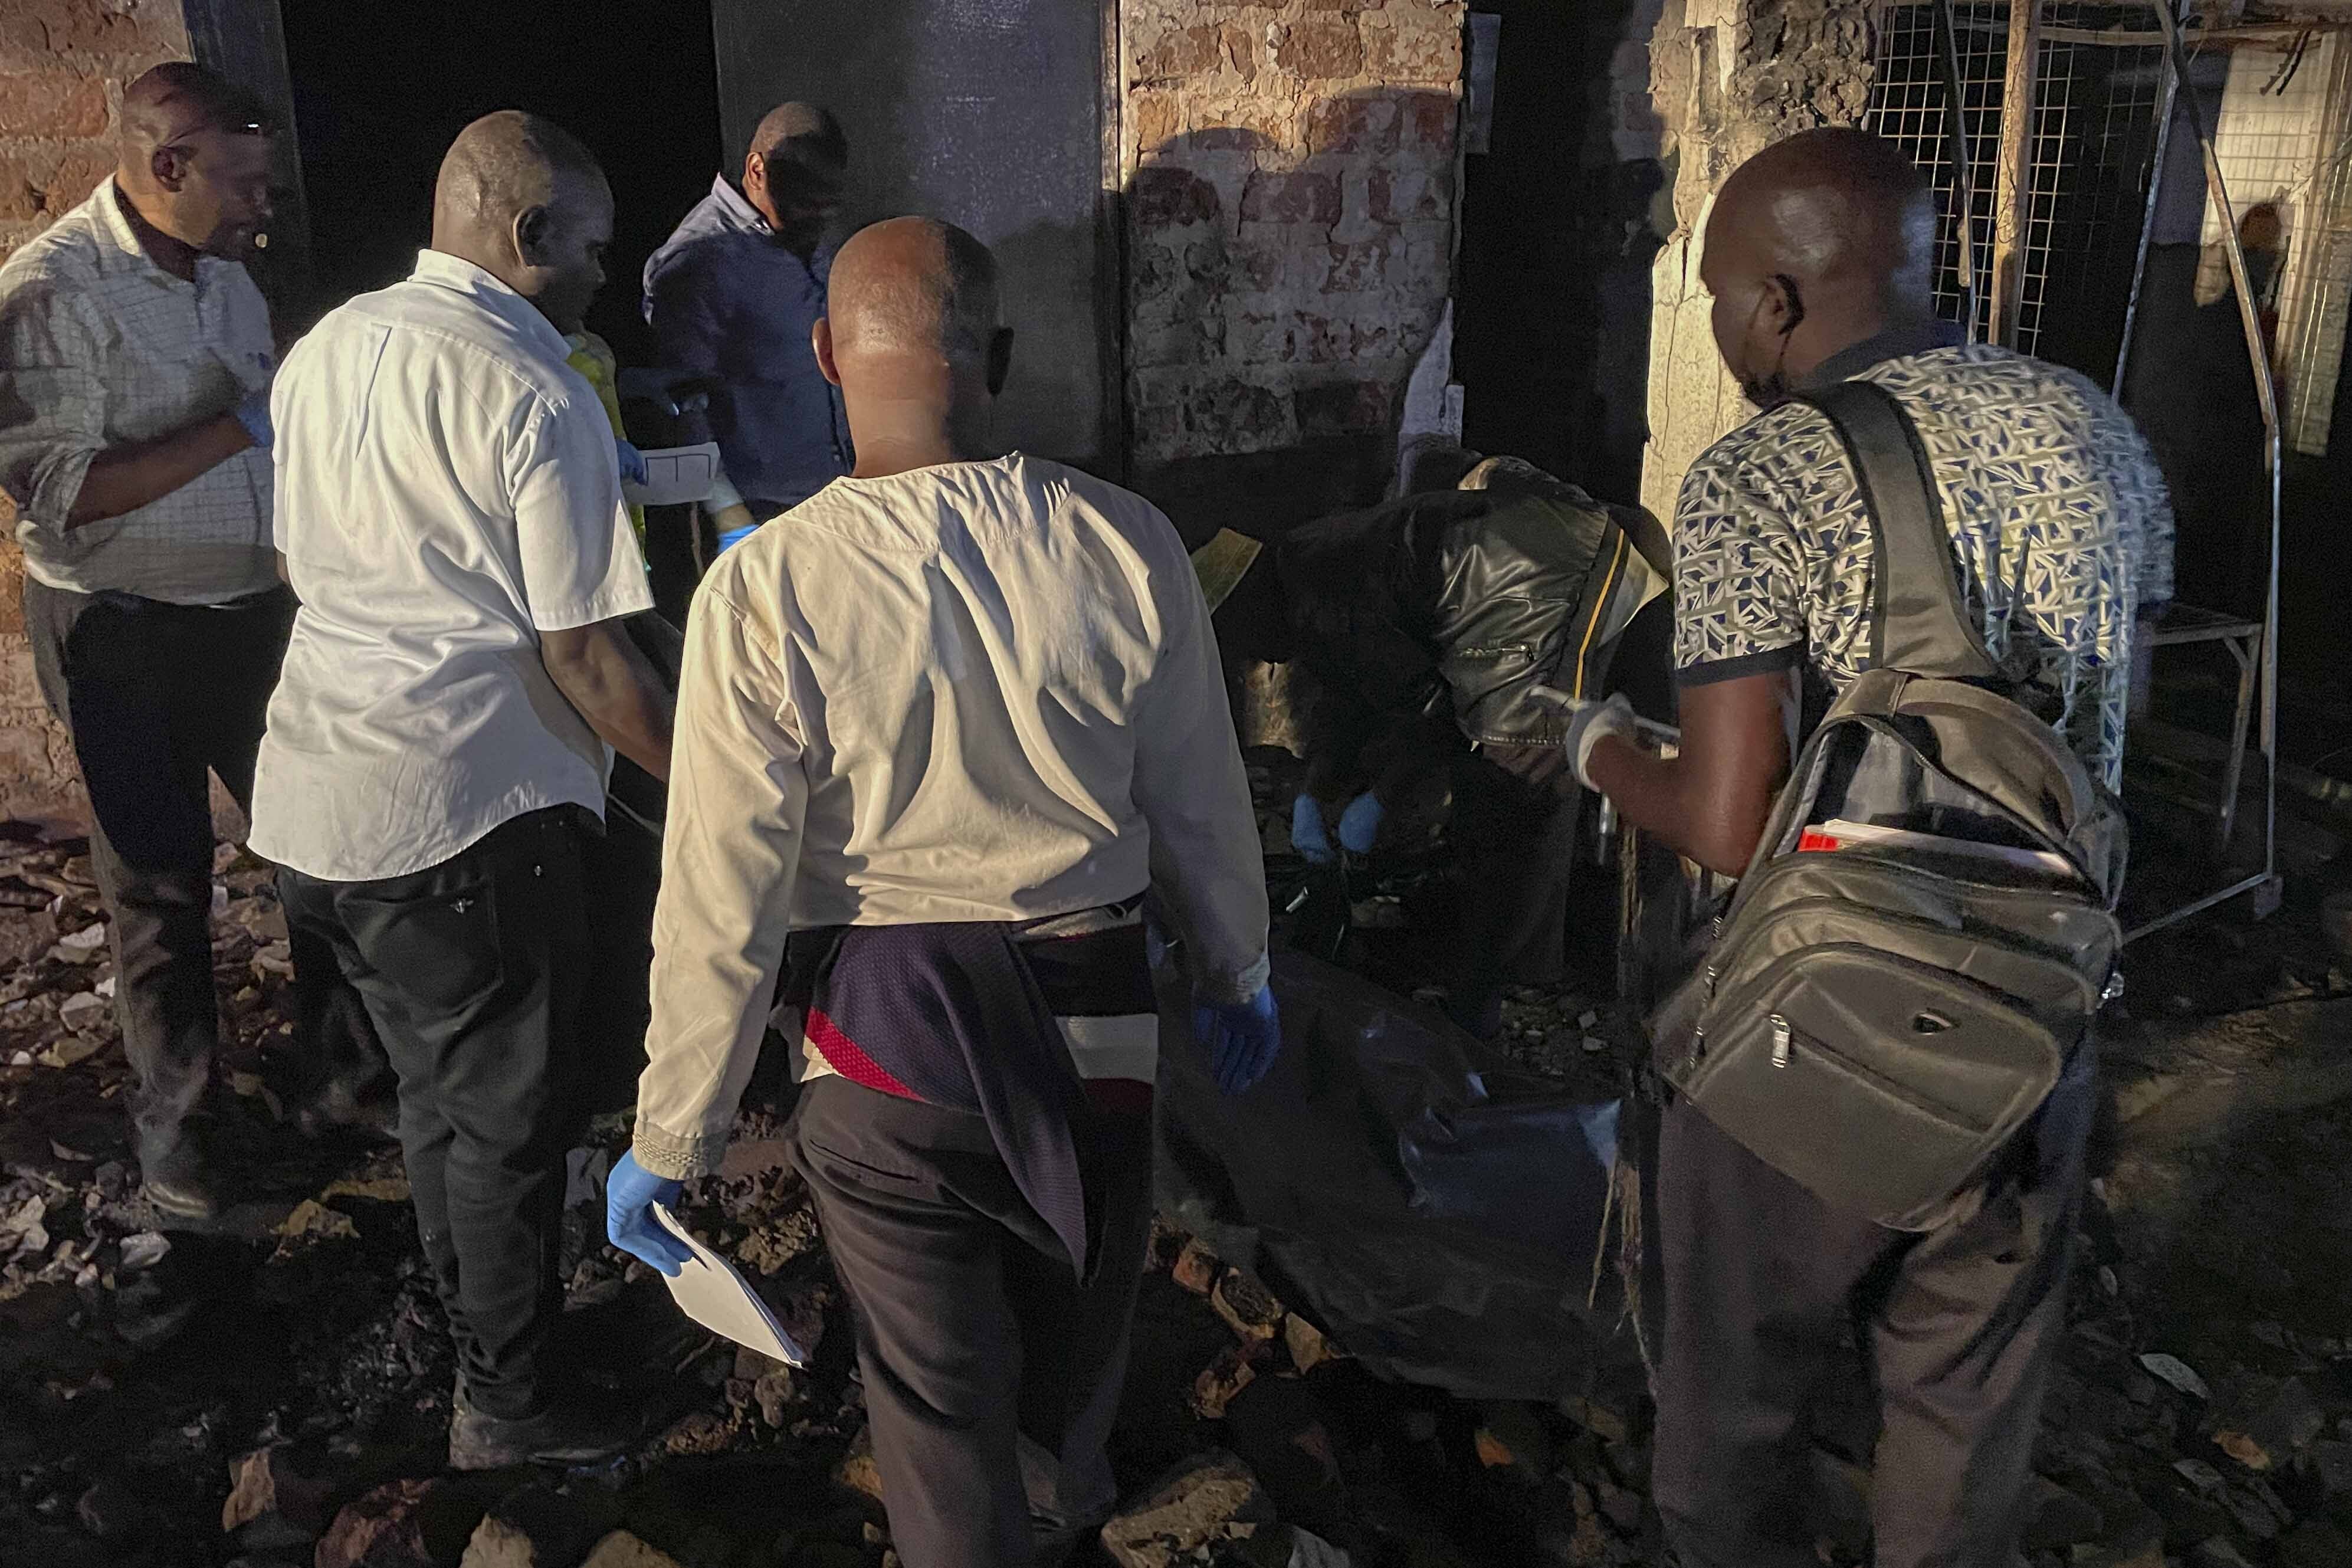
[442, 950]
[847, 1169]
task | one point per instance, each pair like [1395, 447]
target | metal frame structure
[2009, 310]
[2263, 883]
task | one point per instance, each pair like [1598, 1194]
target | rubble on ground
[275, 1391]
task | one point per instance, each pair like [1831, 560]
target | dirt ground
[274, 1390]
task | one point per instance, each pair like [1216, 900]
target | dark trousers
[991, 1374]
[1958, 1325]
[155, 697]
[473, 970]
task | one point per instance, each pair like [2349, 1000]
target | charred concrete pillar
[1729, 78]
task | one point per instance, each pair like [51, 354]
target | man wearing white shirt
[449, 514]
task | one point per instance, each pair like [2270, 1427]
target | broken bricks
[1193, 1508]
[273, 1505]
[1247, 1307]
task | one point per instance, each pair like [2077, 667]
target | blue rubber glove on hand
[633, 464]
[630, 1193]
[1306, 834]
[1243, 1038]
[1360, 824]
[254, 414]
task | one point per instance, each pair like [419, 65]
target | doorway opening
[381, 92]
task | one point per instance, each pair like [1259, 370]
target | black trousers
[991, 1374]
[155, 697]
[1958, 1325]
[473, 970]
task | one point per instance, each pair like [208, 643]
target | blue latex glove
[1306, 834]
[1360, 824]
[632, 463]
[1243, 1038]
[254, 414]
[630, 1193]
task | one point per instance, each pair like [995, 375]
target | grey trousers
[991, 1374]
[1957, 1324]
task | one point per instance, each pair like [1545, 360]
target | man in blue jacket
[732, 295]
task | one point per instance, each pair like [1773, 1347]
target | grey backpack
[1927, 928]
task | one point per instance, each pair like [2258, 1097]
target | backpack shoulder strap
[1918, 620]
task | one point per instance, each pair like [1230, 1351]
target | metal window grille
[2089, 160]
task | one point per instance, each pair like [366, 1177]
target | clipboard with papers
[708, 1289]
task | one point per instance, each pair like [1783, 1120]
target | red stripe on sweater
[843, 1054]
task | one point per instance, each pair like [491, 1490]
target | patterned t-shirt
[2059, 519]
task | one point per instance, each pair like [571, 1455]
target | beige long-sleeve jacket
[978, 691]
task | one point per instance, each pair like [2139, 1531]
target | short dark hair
[805, 134]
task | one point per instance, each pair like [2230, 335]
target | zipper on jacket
[1783, 1040]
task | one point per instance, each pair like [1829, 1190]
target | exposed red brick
[1241, 49]
[1260, 267]
[1416, 47]
[1325, 47]
[52, 103]
[1181, 51]
[1340, 407]
[1396, 197]
[1166, 196]
[1428, 119]
[1154, 116]
[1236, 138]
[1303, 197]
[1357, 267]
[1357, 123]
[86, 24]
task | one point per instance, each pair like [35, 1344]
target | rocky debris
[540, 1526]
[622, 1550]
[1510, 1437]
[857, 1471]
[2176, 1372]
[271, 1504]
[1197, 1269]
[1247, 1307]
[1307, 1345]
[1222, 1379]
[112, 1509]
[403, 1524]
[1196, 1512]
[2283, 1428]
[314, 1220]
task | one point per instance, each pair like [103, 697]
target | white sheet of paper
[712, 1293]
[674, 476]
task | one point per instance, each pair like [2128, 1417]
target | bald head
[195, 158]
[1829, 235]
[524, 199]
[913, 287]
[910, 336]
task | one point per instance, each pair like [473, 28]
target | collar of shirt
[439, 266]
[1895, 342]
[737, 208]
[123, 241]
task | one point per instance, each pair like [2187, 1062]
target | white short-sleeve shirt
[446, 490]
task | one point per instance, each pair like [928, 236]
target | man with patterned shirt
[135, 359]
[1818, 254]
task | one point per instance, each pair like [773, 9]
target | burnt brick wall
[63, 65]
[1290, 168]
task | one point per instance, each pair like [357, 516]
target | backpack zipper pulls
[1783, 1040]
